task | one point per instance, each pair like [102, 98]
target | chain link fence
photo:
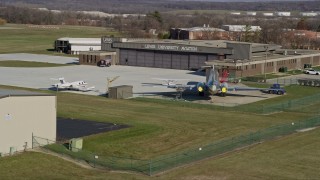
[292, 105]
[166, 162]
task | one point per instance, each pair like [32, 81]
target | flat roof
[81, 40]
[9, 92]
[200, 29]
[197, 46]
[262, 57]
[205, 43]
[98, 53]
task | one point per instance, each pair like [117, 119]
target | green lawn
[161, 127]
[26, 39]
[293, 157]
[28, 64]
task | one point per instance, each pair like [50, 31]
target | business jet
[75, 86]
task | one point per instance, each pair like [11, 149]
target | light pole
[265, 64]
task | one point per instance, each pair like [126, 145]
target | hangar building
[24, 114]
[180, 54]
[240, 58]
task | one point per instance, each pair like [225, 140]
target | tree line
[145, 6]
[161, 22]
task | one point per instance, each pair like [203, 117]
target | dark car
[104, 63]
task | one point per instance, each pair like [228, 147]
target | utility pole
[265, 64]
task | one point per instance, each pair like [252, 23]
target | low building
[251, 13]
[285, 14]
[268, 62]
[235, 13]
[267, 14]
[196, 33]
[240, 28]
[24, 115]
[309, 14]
[94, 57]
[77, 45]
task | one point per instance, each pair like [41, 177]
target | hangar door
[162, 60]
[145, 58]
[180, 61]
[197, 60]
[128, 57]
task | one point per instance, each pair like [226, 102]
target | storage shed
[120, 92]
[94, 57]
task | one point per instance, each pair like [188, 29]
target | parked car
[104, 63]
[311, 71]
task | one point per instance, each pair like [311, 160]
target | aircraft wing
[85, 88]
[164, 79]
[173, 86]
[244, 89]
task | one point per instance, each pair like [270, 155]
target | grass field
[28, 64]
[292, 157]
[27, 39]
[161, 127]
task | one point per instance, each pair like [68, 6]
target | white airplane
[173, 83]
[76, 85]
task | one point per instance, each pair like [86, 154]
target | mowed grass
[29, 64]
[293, 157]
[27, 39]
[162, 127]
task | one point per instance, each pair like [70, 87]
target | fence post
[32, 141]
[175, 160]
[150, 169]
[94, 161]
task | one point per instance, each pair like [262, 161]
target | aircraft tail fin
[212, 77]
[62, 81]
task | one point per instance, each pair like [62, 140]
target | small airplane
[76, 85]
[214, 85]
[173, 83]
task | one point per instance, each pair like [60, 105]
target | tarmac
[138, 77]
[39, 58]
[145, 81]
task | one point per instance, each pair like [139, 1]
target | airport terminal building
[241, 58]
